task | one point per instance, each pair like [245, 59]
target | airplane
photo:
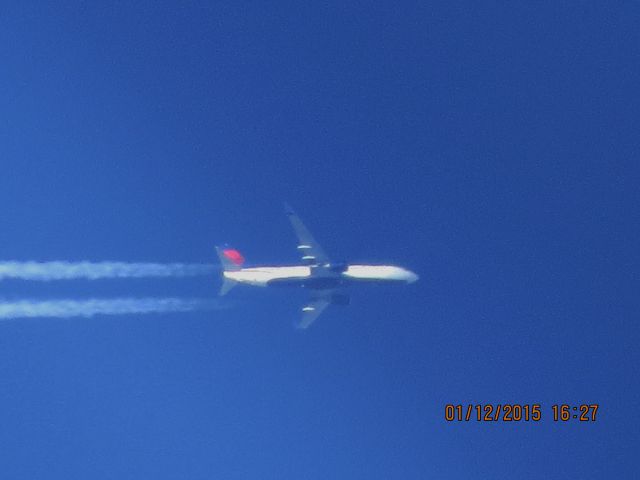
[325, 279]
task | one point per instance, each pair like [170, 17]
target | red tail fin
[230, 258]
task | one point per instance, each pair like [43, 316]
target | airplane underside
[325, 280]
[324, 283]
[321, 283]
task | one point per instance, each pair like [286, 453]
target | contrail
[95, 306]
[46, 271]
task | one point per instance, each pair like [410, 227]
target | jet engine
[339, 267]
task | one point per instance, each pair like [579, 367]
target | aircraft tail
[232, 261]
[227, 284]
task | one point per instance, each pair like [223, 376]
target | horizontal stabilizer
[226, 286]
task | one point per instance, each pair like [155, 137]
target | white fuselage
[301, 275]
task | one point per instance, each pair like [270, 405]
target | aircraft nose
[412, 277]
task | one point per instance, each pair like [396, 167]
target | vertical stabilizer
[231, 259]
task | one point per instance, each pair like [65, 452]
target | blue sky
[490, 148]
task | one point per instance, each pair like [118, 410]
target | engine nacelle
[339, 267]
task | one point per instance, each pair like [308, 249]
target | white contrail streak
[46, 271]
[91, 307]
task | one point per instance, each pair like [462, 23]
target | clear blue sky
[491, 148]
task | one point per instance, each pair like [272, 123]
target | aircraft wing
[312, 311]
[311, 252]
[320, 300]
